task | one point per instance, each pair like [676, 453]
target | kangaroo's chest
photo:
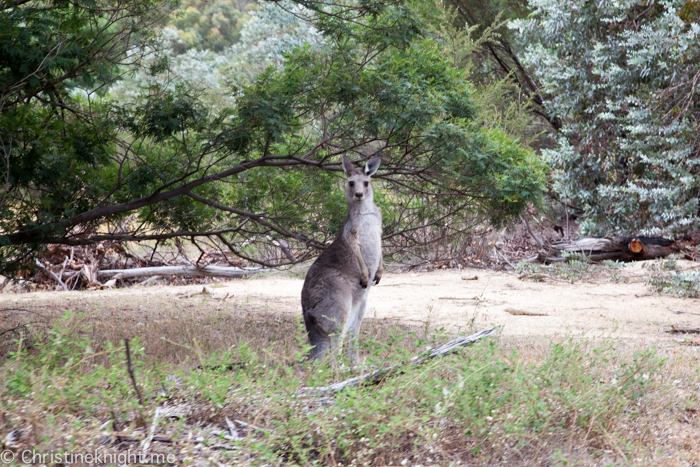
[369, 236]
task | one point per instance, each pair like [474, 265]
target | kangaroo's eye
[352, 184]
[366, 183]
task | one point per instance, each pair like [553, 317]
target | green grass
[567, 402]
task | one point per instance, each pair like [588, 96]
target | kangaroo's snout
[358, 188]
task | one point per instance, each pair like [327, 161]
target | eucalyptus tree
[623, 78]
[261, 173]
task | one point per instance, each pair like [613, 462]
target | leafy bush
[620, 76]
[678, 283]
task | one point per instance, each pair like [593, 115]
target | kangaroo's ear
[371, 167]
[348, 167]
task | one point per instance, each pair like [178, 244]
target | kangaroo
[334, 296]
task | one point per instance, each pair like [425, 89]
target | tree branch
[93, 239]
[258, 218]
[34, 234]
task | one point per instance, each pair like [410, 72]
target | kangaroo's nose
[358, 195]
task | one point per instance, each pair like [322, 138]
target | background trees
[224, 122]
[55, 138]
[622, 77]
[254, 166]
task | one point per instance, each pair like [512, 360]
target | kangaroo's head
[359, 186]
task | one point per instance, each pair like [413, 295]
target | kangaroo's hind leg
[324, 324]
[352, 330]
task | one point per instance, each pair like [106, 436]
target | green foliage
[480, 397]
[60, 370]
[667, 277]
[620, 76]
[56, 139]
[208, 26]
[678, 283]
[269, 146]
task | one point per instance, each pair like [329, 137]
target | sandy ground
[625, 309]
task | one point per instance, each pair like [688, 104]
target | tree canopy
[622, 77]
[259, 165]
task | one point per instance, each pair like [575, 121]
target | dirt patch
[452, 299]
[560, 379]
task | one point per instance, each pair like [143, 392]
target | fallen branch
[146, 444]
[504, 257]
[51, 273]
[523, 312]
[377, 375]
[683, 330]
[626, 249]
[209, 271]
[233, 431]
[677, 312]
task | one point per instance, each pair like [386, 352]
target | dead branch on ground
[378, 375]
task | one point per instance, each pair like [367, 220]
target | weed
[577, 267]
[678, 283]
[668, 276]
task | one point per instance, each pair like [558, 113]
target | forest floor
[582, 373]
[619, 305]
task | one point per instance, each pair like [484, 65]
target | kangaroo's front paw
[377, 278]
[364, 280]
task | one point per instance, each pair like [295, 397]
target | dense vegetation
[250, 158]
[623, 77]
[195, 395]
[223, 122]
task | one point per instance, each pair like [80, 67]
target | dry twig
[131, 370]
[677, 312]
[523, 312]
[52, 274]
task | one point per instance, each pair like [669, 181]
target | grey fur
[334, 296]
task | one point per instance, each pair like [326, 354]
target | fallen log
[209, 271]
[624, 249]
